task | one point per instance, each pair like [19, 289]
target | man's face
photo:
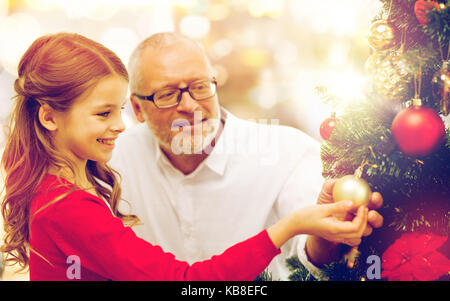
[177, 65]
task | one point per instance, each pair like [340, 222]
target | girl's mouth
[106, 141]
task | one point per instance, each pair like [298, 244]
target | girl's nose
[118, 126]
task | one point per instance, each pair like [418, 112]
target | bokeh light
[42, 5]
[348, 85]
[19, 30]
[195, 27]
[286, 52]
[121, 40]
[80, 8]
[269, 56]
[154, 19]
[186, 4]
[255, 57]
[270, 8]
[220, 49]
[221, 74]
[4, 6]
[218, 11]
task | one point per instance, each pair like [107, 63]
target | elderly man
[201, 179]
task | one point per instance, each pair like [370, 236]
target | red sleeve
[83, 227]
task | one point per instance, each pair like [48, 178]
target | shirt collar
[216, 160]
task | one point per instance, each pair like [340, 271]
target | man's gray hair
[155, 41]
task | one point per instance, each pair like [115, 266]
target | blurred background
[269, 55]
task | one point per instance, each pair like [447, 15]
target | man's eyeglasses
[171, 97]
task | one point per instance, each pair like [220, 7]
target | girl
[61, 199]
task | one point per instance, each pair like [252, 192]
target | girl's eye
[104, 114]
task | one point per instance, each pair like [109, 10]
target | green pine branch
[416, 191]
[298, 271]
[439, 27]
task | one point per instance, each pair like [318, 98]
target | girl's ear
[47, 117]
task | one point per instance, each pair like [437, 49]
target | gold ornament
[352, 187]
[373, 62]
[356, 189]
[391, 77]
[382, 36]
[441, 87]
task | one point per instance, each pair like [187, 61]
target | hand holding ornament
[363, 196]
[374, 219]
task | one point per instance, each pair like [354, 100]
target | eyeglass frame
[182, 90]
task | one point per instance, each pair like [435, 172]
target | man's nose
[187, 103]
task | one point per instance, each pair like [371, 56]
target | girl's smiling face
[89, 129]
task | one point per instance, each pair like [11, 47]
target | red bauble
[418, 130]
[421, 9]
[327, 127]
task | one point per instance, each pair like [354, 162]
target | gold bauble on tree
[352, 187]
[441, 87]
[392, 77]
[382, 36]
[356, 189]
[373, 62]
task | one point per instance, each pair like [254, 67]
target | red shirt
[83, 225]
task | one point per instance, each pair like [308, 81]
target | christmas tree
[396, 139]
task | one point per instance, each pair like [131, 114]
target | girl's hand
[374, 219]
[320, 220]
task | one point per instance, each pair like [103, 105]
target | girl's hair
[55, 70]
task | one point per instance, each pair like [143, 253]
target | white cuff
[301, 254]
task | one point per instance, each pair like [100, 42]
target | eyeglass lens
[198, 91]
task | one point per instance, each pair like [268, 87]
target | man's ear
[47, 117]
[135, 103]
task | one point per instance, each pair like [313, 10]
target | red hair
[55, 70]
